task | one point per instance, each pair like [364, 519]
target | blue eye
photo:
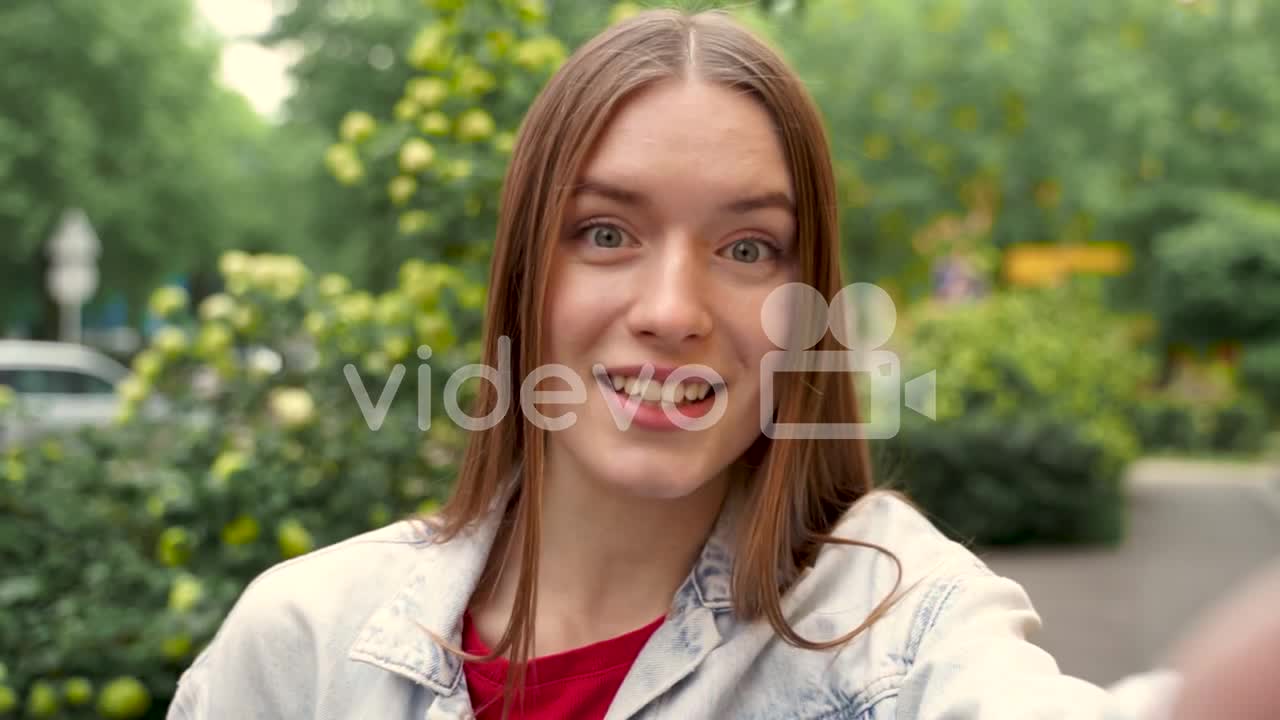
[606, 236]
[750, 250]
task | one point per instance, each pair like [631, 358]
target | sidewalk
[1196, 531]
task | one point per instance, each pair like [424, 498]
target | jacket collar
[446, 574]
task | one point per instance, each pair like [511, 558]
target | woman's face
[681, 225]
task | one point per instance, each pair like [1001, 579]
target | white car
[58, 386]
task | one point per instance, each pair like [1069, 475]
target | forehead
[691, 141]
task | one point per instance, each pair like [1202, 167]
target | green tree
[349, 56]
[1068, 121]
[114, 108]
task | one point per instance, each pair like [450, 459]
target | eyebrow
[772, 199]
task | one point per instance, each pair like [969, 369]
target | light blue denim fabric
[338, 634]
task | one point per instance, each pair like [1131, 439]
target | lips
[662, 398]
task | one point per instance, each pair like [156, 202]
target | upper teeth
[653, 390]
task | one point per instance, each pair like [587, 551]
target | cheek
[578, 311]
[759, 326]
[750, 343]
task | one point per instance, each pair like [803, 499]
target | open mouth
[656, 388]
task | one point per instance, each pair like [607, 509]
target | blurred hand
[1231, 661]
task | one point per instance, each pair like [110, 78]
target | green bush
[1167, 424]
[1218, 279]
[1033, 430]
[435, 158]
[124, 547]
[1239, 426]
[1021, 478]
[1260, 372]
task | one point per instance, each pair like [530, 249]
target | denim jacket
[338, 635]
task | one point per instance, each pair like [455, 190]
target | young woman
[669, 179]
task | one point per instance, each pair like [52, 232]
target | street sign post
[73, 270]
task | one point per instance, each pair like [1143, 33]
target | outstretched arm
[975, 661]
[1232, 660]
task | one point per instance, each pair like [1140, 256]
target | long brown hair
[798, 489]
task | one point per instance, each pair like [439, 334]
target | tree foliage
[113, 108]
[1071, 121]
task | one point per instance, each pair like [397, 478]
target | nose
[670, 305]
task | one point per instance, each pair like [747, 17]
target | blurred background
[210, 208]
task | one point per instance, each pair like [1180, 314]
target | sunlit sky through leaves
[258, 73]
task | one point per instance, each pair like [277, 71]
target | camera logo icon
[862, 318]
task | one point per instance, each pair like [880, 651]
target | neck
[608, 563]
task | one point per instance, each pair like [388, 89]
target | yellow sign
[1050, 264]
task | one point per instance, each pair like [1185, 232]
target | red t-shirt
[578, 683]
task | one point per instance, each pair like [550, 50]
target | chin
[646, 474]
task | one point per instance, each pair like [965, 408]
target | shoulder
[293, 622]
[329, 590]
[889, 515]
[943, 579]
[903, 585]
[337, 578]
[891, 527]
[900, 559]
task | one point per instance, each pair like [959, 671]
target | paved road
[1196, 530]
